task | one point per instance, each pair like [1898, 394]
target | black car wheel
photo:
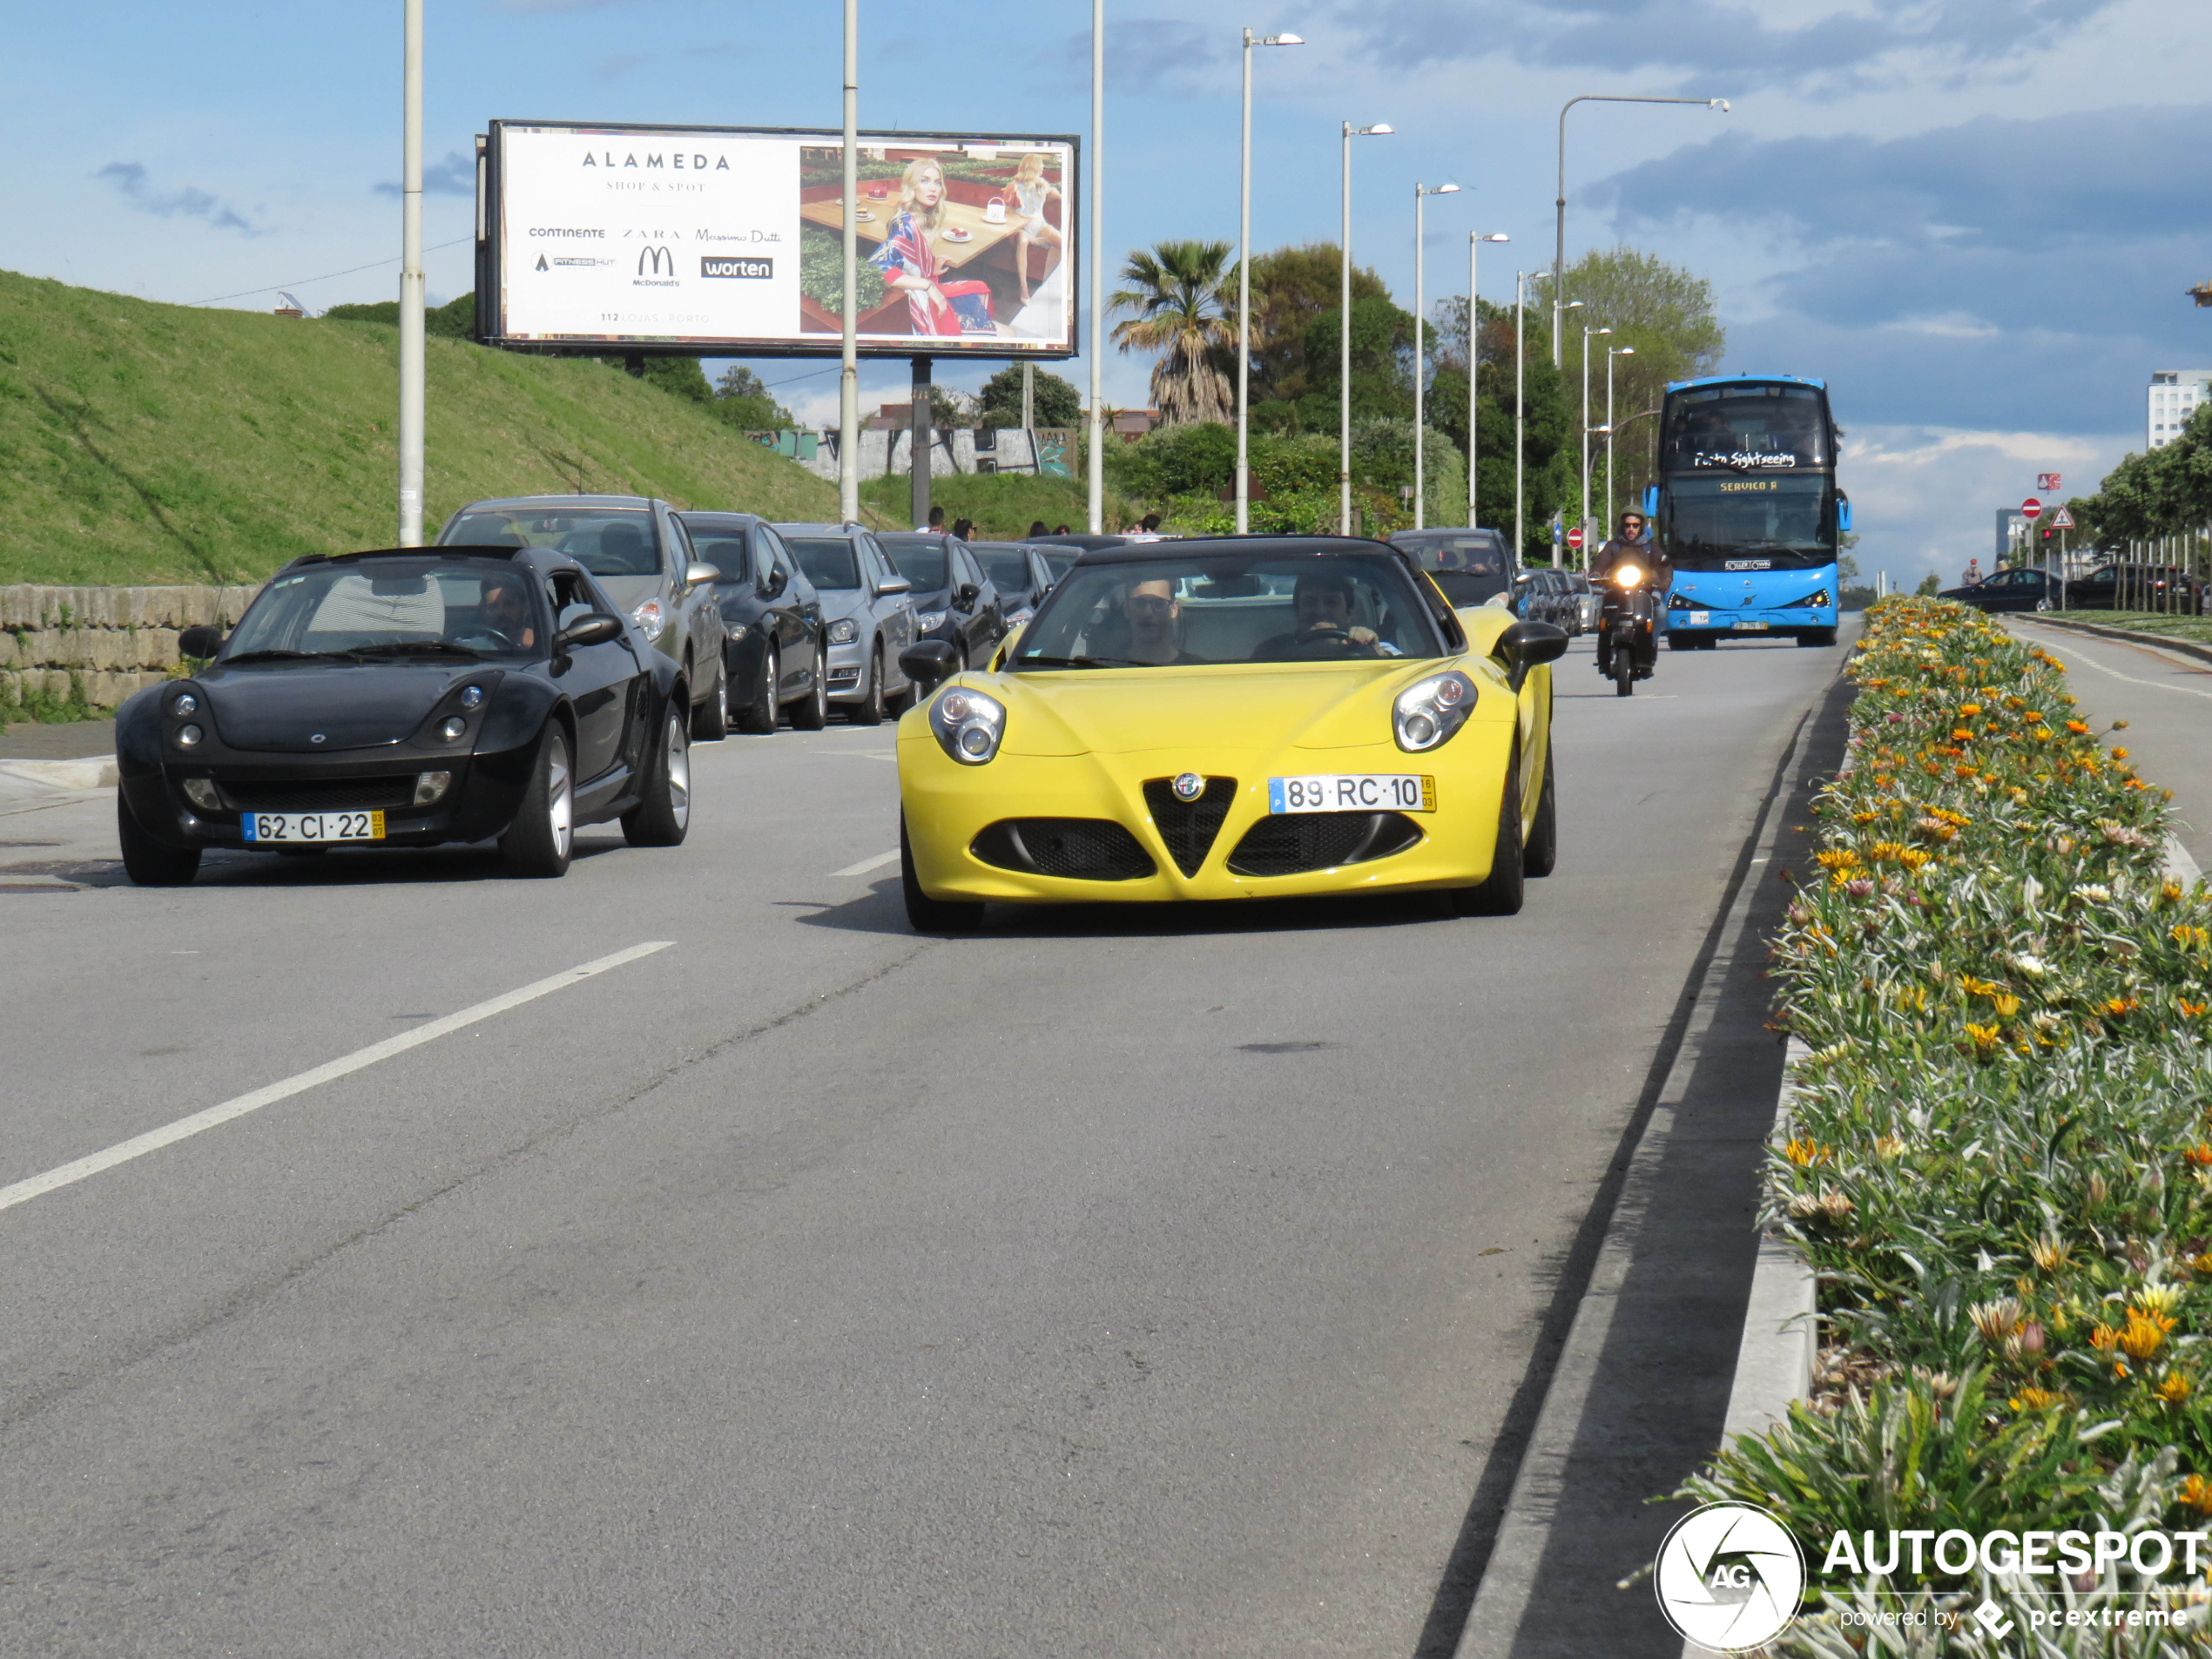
[1541, 853]
[760, 715]
[1499, 893]
[663, 815]
[929, 915]
[537, 842]
[813, 714]
[150, 863]
[869, 709]
[710, 720]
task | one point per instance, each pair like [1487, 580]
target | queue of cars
[2112, 586]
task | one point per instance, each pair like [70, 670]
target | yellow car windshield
[1170, 611]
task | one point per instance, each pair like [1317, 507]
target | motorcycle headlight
[1428, 712]
[1626, 575]
[968, 724]
[927, 620]
[844, 631]
[649, 615]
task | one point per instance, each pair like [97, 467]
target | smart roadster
[1244, 717]
[405, 698]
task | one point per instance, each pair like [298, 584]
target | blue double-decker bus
[1746, 509]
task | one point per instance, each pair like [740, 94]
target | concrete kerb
[1775, 1325]
[2128, 636]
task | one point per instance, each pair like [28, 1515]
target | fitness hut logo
[1730, 1577]
[736, 265]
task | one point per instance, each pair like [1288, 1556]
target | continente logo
[1730, 1577]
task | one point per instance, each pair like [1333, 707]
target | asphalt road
[1109, 1283]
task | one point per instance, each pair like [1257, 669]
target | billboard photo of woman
[909, 261]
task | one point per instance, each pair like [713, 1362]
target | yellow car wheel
[1499, 892]
[929, 915]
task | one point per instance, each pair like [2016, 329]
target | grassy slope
[1003, 505]
[149, 443]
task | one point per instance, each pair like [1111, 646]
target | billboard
[729, 241]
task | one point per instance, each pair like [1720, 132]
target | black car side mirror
[966, 595]
[773, 587]
[200, 641]
[594, 628]
[1527, 643]
[928, 665]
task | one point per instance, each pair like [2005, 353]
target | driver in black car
[1325, 628]
[503, 612]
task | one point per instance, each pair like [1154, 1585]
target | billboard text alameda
[725, 240]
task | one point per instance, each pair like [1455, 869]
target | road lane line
[865, 864]
[2157, 686]
[153, 1140]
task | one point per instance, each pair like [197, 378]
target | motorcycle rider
[1629, 545]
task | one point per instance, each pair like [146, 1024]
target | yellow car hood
[1259, 707]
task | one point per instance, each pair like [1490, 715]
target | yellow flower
[2004, 1006]
[1840, 858]
[2187, 937]
[2035, 1400]
[1984, 1037]
[1974, 987]
[1969, 710]
[2196, 1492]
[2119, 754]
[2078, 728]
[1889, 1148]
[1805, 1154]
[2145, 1334]
[2114, 1007]
[2050, 1253]
[2175, 1389]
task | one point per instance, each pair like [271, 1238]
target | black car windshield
[1470, 553]
[921, 559]
[725, 550]
[827, 560]
[1168, 610]
[1008, 567]
[606, 541]
[394, 605]
[1059, 563]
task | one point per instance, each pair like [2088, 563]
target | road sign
[2047, 483]
[2030, 508]
[2062, 520]
[1575, 537]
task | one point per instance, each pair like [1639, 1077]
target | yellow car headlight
[968, 724]
[1428, 712]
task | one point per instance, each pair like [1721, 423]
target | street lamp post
[1612, 501]
[848, 373]
[1343, 333]
[1098, 468]
[1585, 520]
[1421, 474]
[411, 281]
[1244, 286]
[1559, 249]
[1475, 239]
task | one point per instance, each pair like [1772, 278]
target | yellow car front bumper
[946, 806]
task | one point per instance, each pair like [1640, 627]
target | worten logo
[656, 261]
[1730, 1577]
[733, 265]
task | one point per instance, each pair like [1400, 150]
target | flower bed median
[2000, 1161]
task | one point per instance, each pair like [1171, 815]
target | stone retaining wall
[111, 641]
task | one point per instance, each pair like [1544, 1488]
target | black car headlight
[203, 794]
[968, 724]
[1811, 600]
[459, 713]
[844, 631]
[1428, 712]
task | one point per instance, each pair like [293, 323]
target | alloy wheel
[679, 771]
[560, 799]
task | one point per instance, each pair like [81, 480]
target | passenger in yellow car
[1151, 612]
[1325, 628]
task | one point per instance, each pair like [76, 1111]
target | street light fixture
[1558, 252]
[1587, 335]
[1475, 239]
[1244, 286]
[1095, 516]
[1612, 499]
[1343, 331]
[1420, 474]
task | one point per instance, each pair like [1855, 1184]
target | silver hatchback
[869, 608]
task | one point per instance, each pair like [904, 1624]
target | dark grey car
[637, 549]
[871, 615]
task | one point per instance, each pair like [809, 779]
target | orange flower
[2145, 1335]
[2078, 728]
[2200, 1155]
[2196, 1492]
[2114, 1006]
[2035, 1400]
[1805, 1154]
[2192, 1010]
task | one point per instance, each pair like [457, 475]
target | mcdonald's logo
[656, 261]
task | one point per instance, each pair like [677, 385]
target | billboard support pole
[1098, 468]
[848, 378]
[411, 281]
[924, 440]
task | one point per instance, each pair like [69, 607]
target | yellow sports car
[1243, 718]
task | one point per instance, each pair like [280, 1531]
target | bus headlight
[1814, 601]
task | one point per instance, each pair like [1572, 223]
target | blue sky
[1974, 218]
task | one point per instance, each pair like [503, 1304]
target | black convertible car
[406, 698]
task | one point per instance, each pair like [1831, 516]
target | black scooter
[1627, 635]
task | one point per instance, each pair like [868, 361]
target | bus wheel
[1818, 637]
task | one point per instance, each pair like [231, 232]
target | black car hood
[283, 706]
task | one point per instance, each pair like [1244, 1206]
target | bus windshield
[1777, 523]
[1750, 427]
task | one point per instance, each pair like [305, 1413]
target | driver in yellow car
[1323, 600]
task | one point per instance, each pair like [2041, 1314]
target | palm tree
[1179, 309]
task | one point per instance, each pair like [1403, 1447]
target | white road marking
[865, 864]
[2071, 650]
[153, 1140]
